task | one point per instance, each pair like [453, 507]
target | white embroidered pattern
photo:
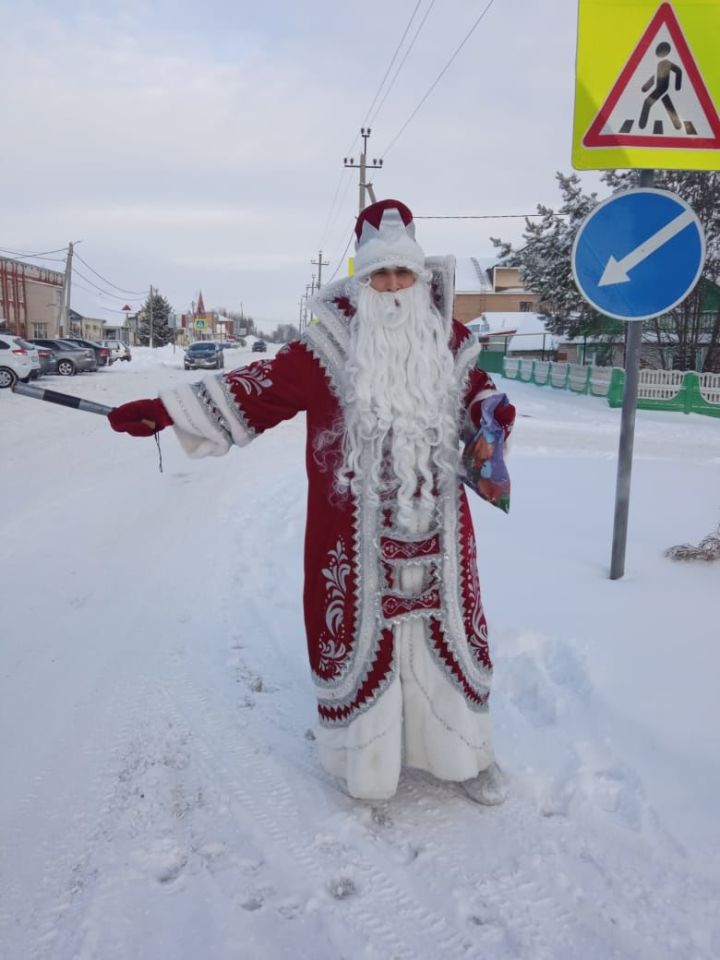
[254, 378]
[333, 650]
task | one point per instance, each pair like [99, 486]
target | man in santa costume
[396, 634]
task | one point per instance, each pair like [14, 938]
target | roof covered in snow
[525, 331]
[471, 274]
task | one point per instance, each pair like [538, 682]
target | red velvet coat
[351, 546]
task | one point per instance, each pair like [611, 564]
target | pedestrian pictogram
[660, 98]
[648, 85]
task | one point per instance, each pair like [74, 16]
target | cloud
[195, 145]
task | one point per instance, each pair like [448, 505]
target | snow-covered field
[160, 795]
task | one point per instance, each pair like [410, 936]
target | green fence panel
[617, 388]
[541, 373]
[491, 361]
[578, 382]
[696, 402]
[559, 373]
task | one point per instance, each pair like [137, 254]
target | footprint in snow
[341, 888]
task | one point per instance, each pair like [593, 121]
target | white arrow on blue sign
[638, 254]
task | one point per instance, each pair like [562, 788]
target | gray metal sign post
[633, 339]
[636, 255]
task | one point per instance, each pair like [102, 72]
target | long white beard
[401, 432]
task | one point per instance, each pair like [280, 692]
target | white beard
[401, 407]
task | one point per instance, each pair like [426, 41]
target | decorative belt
[395, 605]
[393, 549]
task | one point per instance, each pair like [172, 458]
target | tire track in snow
[272, 805]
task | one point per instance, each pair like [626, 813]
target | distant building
[489, 288]
[198, 323]
[29, 298]
[517, 333]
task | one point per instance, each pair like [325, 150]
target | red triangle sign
[660, 99]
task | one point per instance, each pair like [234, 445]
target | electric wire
[107, 293]
[438, 78]
[402, 62]
[333, 212]
[36, 256]
[342, 257]
[484, 216]
[105, 279]
[394, 57]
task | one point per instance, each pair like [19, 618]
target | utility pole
[150, 310]
[312, 288]
[363, 168]
[64, 306]
[320, 263]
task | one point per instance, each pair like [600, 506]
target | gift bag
[483, 458]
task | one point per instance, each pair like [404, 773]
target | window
[525, 306]
[40, 330]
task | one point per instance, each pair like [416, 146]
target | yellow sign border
[607, 25]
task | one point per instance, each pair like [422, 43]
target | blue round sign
[638, 254]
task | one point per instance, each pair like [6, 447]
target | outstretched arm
[211, 415]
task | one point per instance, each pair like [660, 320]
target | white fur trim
[206, 423]
[420, 713]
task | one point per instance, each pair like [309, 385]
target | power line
[105, 279]
[402, 62]
[332, 213]
[486, 216]
[107, 293]
[342, 258]
[37, 256]
[438, 78]
[392, 61]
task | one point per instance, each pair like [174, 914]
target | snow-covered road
[160, 792]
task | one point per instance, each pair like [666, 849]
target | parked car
[18, 360]
[118, 349]
[205, 355]
[48, 360]
[259, 346]
[102, 353]
[71, 357]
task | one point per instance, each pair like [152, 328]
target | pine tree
[162, 332]
[544, 262]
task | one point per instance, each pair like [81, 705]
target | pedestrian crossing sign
[647, 85]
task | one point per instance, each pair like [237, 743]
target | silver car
[71, 358]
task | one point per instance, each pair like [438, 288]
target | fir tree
[162, 332]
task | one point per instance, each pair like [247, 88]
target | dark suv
[259, 346]
[204, 355]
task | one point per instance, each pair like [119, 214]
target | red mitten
[140, 418]
[505, 416]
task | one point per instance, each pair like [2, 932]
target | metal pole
[633, 341]
[150, 308]
[362, 170]
[63, 312]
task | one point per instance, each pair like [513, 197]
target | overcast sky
[200, 145]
